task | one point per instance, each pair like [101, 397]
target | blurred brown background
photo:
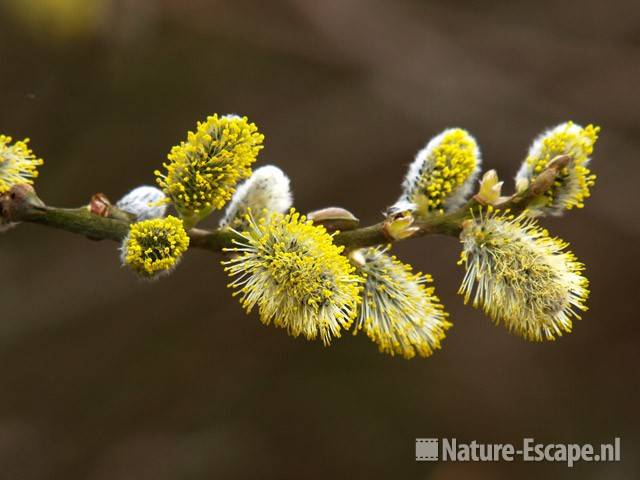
[105, 377]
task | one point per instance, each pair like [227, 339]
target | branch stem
[21, 204]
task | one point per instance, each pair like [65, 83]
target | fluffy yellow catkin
[399, 311]
[295, 275]
[154, 247]
[18, 164]
[443, 172]
[202, 172]
[521, 276]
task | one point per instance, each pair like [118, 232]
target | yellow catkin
[399, 311]
[291, 270]
[154, 247]
[521, 276]
[443, 172]
[572, 185]
[18, 164]
[202, 172]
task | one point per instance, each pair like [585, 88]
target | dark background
[106, 377]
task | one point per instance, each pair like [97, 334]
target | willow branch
[21, 204]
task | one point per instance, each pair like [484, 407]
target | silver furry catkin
[267, 189]
[144, 202]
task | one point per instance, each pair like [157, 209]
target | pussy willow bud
[267, 190]
[443, 173]
[571, 186]
[18, 164]
[521, 276]
[202, 172]
[291, 270]
[144, 202]
[334, 218]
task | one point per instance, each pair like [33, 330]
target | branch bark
[21, 204]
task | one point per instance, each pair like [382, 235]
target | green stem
[78, 220]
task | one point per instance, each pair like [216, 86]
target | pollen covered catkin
[443, 173]
[202, 172]
[399, 309]
[291, 270]
[18, 164]
[571, 186]
[520, 276]
[154, 247]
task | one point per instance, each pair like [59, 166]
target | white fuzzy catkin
[267, 189]
[144, 202]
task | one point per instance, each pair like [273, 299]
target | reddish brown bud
[99, 205]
